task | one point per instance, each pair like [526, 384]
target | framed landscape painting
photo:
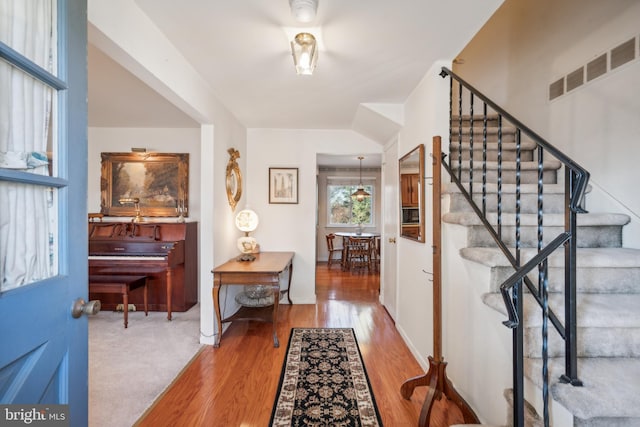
[158, 181]
[283, 185]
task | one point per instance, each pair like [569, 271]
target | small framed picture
[283, 185]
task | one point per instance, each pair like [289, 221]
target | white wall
[476, 345]
[218, 233]
[424, 119]
[292, 227]
[526, 46]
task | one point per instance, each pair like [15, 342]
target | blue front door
[43, 185]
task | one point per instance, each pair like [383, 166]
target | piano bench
[116, 284]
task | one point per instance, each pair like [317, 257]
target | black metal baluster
[471, 144]
[499, 178]
[540, 211]
[460, 132]
[543, 291]
[570, 306]
[540, 200]
[544, 272]
[450, 115]
[484, 159]
[518, 193]
[518, 295]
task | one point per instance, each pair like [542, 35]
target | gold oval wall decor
[234, 179]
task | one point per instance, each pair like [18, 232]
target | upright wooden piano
[167, 253]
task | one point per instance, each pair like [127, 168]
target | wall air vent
[575, 79]
[556, 89]
[623, 53]
[597, 67]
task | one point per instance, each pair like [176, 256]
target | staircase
[608, 275]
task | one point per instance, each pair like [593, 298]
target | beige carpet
[129, 368]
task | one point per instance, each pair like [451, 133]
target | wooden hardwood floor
[235, 384]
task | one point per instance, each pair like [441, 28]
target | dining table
[346, 235]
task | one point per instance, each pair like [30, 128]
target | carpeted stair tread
[478, 130]
[594, 230]
[478, 145]
[511, 166]
[599, 270]
[554, 198]
[594, 310]
[611, 386]
[586, 257]
[476, 117]
[557, 220]
[492, 188]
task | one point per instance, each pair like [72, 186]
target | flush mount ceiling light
[303, 10]
[360, 194]
[305, 53]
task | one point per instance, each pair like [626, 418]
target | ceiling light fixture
[305, 53]
[360, 194]
[303, 10]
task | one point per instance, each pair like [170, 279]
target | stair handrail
[576, 182]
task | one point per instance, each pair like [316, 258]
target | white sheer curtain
[25, 109]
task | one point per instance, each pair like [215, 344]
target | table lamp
[247, 221]
[253, 295]
[136, 205]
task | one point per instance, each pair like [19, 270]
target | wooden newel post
[436, 377]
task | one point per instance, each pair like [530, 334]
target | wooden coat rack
[436, 377]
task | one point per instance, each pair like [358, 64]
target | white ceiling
[371, 52]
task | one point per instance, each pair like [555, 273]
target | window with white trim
[345, 210]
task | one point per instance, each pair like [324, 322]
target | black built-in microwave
[410, 215]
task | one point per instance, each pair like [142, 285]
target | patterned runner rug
[324, 382]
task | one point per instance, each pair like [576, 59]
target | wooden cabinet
[412, 231]
[409, 189]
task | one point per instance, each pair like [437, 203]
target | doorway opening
[339, 214]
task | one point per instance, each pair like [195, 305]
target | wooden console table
[264, 270]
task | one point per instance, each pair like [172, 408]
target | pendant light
[360, 194]
[305, 53]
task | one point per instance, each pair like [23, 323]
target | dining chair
[375, 253]
[332, 248]
[359, 252]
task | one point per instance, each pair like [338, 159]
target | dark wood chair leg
[125, 304]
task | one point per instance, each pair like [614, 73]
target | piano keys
[165, 252]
